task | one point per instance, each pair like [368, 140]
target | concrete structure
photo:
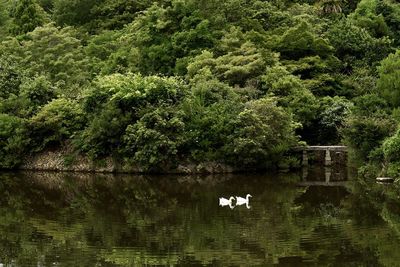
[327, 149]
[323, 183]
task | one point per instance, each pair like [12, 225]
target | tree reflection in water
[122, 220]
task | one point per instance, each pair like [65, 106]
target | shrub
[38, 90]
[14, 140]
[391, 147]
[263, 133]
[209, 112]
[154, 141]
[131, 92]
[55, 122]
[102, 136]
[115, 101]
[366, 133]
[389, 76]
[10, 77]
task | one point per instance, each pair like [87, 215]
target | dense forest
[158, 82]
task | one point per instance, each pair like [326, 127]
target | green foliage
[4, 19]
[100, 48]
[166, 35]
[334, 110]
[210, 110]
[354, 42]
[27, 15]
[132, 91]
[366, 133]
[73, 12]
[96, 15]
[52, 52]
[389, 77]
[115, 101]
[391, 13]
[391, 147]
[155, 140]
[10, 77]
[39, 91]
[102, 136]
[30, 95]
[330, 118]
[263, 133]
[362, 80]
[56, 122]
[391, 150]
[221, 72]
[332, 6]
[114, 14]
[367, 126]
[14, 140]
[292, 94]
[366, 17]
[236, 67]
[370, 104]
[301, 41]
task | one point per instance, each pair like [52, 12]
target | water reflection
[244, 201]
[49, 219]
[223, 202]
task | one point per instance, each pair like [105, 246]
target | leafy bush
[353, 42]
[27, 15]
[115, 101]
[55, 122]
[30, 95]
[262, 133]
[389, 76]
[39, 91]
[366, 133]
[236, 67]
[10, 77]
[53, 52]
[370, 104]
[14, 140]
[391, 147]
[329, 118]
[291, 93]
[103, 135]
[155, 140]
[302, 41]
[131, 92]
[366, 16]
[391, 152]
[209, 112]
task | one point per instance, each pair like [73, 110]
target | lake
[318, 217]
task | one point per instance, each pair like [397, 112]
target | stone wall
[56, 160]
[61, 160]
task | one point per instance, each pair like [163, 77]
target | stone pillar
[305, 158]
[328, 173]
[304, 173]
[328, 159]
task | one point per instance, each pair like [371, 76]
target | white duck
[241, 200]
[225, 202]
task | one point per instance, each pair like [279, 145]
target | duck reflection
[226, 202]
[239, 201]
[242, 201]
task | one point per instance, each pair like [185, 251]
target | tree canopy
[166, 81]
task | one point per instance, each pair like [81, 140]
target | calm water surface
[52, 219]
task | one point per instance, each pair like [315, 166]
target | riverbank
[63, 160]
